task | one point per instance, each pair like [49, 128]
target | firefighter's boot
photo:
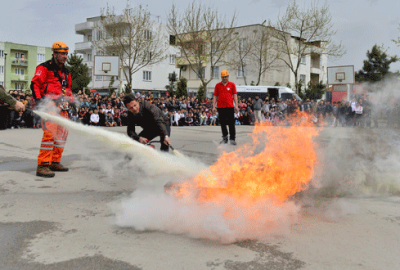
[44, 171]
[58, 167]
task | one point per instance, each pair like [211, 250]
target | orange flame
[278, 163]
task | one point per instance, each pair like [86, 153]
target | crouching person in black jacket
[150, 118]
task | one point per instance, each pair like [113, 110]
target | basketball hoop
[106, 67]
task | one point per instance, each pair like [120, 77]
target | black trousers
[151, 134]
[227, 117]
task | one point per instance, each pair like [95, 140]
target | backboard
[106, 65]
[341, 75]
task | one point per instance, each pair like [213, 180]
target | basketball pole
[348, 92]
[120, 80]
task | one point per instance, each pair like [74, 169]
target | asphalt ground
[67, 222]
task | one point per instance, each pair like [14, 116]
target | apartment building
[18, 64]
[313, 66]
[150, 78]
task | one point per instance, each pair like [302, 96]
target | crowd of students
[110, 111]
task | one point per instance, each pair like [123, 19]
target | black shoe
[224, 141]
[232, 142]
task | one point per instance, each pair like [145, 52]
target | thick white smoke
[351, 162]
[149, 210]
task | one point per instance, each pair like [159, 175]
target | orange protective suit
[53, 141]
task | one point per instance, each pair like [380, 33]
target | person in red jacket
[51, 87]
[226, 101]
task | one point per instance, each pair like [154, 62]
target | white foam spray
[150, 208]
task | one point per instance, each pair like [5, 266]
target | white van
[246, 91]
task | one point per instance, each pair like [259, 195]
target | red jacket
[48, 81]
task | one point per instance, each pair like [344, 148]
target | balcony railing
[19, 62]
[183, 61]
[19, 77]
[82, 28]
[83, 46]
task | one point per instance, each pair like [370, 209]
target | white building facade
[149, 78]
[313, 67]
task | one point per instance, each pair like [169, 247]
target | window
[172, 40]
[172, 59]
[241, 71]
[99, 35]
[215, 72]
[203, 73]
[99, 78]
[1, 69]
[18, 55]
[242, 44]
[303, 59]
[19, 86]
[148, 56]
[89, 57]
[202, 49]
[2, 83]
[147, 34]
[214, 48]
[41, 57]
[146, 75]
[89, 74]
[17, 71]
[303, 78]
[1, 53]
[89, 38]
[22, 71]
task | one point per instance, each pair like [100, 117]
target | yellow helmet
[59, 46]
[224, 73]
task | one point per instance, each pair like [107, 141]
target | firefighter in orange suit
[51, 87]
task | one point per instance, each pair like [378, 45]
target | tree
[171, 87]
[203, 36]
[305, 32]
[314, 91]
[182, 87]
[201, 93]
[79, 72]
[255, 53]
[133, 37]
[377, 65]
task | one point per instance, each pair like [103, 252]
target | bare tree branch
[305, 32]
[203, 36]
[132, 36]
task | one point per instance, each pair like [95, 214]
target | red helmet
[59, 46]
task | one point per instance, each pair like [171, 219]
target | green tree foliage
[182, 87]
[171, 86]
[200, 93]
[313, 91]
[112, 81]
[377, 65]
[79, 72]
[277, 84]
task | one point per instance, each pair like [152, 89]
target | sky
[360, 24]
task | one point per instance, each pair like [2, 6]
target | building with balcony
[18, 64]
[313, 64]
[149, 78]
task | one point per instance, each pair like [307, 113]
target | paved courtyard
[68, 222]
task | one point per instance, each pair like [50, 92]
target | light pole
[5, 68]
